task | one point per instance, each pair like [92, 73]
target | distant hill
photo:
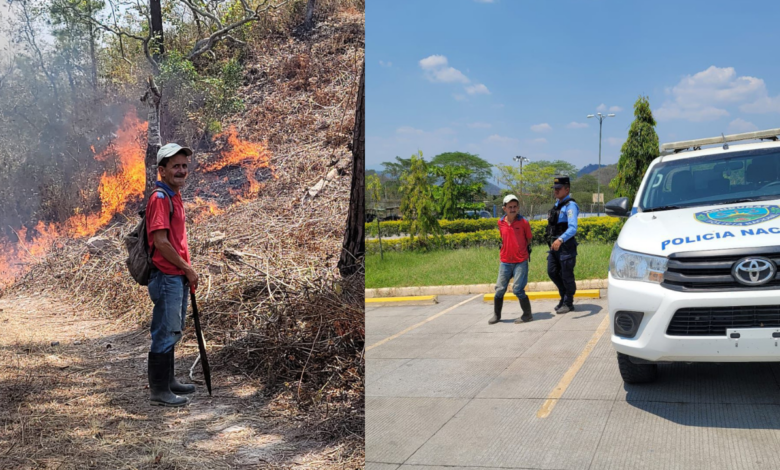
[589, 169]
[606, 174]
[492, 189]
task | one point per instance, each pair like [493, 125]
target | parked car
[478, 214]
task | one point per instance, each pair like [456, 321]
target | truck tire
[636, 373]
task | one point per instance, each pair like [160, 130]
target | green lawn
[472, 266]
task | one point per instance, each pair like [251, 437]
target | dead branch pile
[271, 300]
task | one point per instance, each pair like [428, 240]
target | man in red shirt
[172, 274]
[515, 240]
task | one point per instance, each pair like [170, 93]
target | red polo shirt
[158, 218]
[515, 238]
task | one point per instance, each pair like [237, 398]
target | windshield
[736, 177]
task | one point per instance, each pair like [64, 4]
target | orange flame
[126, 185]
[115, 191]
[251, 156]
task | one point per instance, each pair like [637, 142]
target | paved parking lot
[456, 393]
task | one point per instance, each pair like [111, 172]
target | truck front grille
[713, 321]
[706, 271]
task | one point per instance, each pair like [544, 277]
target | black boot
[173, 384]
[159, 372]
[525, 305]
[560, 304]
[497, 304]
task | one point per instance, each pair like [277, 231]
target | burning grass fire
[125, 187]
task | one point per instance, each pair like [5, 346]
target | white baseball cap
[169, 150]
[509, 198]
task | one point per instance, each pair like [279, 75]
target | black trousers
[560, 268]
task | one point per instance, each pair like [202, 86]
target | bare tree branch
[205, 44]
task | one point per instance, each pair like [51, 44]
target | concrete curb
[474, 289]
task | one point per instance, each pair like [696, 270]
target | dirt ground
[74, 394]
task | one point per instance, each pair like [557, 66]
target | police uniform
[562, 224]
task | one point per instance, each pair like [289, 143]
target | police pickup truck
[693, 276]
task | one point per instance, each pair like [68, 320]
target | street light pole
[601, 118]
[521, 159]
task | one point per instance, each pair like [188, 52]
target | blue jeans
[518, 271]
[169, 294]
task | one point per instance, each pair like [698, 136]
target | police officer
[560, 235]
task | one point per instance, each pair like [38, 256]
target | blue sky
[509, 77]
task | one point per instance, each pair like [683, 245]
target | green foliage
[480, 170]
[597, 229]
[639, 150]
[417, 203]
[456, 191]
[208, 98]
[531, 186]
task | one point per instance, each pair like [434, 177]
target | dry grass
[280, 322]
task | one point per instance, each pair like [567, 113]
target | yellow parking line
[580, 294]
[420, 324]
[559, 389]
[419, 299]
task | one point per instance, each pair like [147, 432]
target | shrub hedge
[597, 229]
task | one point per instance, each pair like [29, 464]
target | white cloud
[704, 96]
[498, 139]
[477, 89]
[601, 108]
[459, 97]
[615, 141]
[765, 104]
[615, 109]
[543, 127]
[436, 70]
[540, 140]
[433, 62]
[740, 125]
[409, 130]
[479, 125]
[385, 64]
[576, 125]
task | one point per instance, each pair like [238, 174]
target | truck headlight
[630, 266]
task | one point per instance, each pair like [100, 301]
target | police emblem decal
[738, 216]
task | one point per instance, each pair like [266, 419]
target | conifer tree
[638, 151]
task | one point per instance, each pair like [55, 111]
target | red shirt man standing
[515, 240]
[172, 274]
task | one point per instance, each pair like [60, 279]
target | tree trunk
[152, 99]
[308, 23]
[92, 48]
[158, 50]
[354, 248]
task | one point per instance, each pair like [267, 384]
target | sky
[503, 78]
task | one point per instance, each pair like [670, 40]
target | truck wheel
[636, 373]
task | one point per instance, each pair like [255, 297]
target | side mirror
[618, 207]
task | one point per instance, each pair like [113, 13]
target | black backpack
[139, 259]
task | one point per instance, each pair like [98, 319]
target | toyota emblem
[754, 271]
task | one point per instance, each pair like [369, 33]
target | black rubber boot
[173, 384]
[159, 372]
[525, 305]
[497, 304]
[565, 309]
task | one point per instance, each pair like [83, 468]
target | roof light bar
[686, 144]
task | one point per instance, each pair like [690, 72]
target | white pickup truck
[693, 276]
